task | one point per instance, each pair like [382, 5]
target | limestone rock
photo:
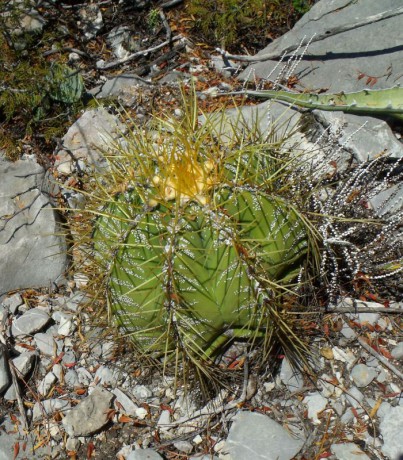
[336, 63]
[391, 430]
[87, 139]
[33, 253]
[348, 451]
[90, 415]
[261, 438]
[31, 321]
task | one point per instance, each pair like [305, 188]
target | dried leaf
[327, 353]
[58, 358]
[81, 391]
[16, 449]
[125, 419]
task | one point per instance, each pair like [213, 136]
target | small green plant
[226, 20]
[153, 18]
[301, 6]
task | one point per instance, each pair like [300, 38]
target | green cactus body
[192, 276]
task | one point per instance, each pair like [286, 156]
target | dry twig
[109, 65]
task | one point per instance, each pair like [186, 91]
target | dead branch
[137, 54]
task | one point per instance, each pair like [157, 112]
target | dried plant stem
[138, 54]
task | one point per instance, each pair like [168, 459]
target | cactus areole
[191, 259]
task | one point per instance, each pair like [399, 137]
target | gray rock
[141, 392]
[33, 253]
[257, 436]
[30, 322]
[118, 40]
[84, 377]
[23, 363]
[90, 415]
[44, 409]
[184, 446]
[12, 303]
[364, 141]
[20, 20]
[123, 86]
[71, 379]
[336, 62]
[164, 421]
[45, 344]
[397, 351]
[5, 378]
[348, 451]
[66, 324]
[46, 383]
[129, 407]
[363, 375]
[10, 395]
[106, 376]
[91, 21]
[87, 138]
[316, 403]
[69, 357]
[143, 454]
[291, 378]
[354, 397]
[391, 430]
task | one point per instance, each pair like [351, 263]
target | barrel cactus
[196, 242]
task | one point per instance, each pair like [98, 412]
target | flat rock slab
[348, 451]
[346, 61]
[31, 321]
[33, 253]
[261, 438]
[144, 454]
[90, 415]
[391, 430]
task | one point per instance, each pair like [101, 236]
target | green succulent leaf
[66, 84]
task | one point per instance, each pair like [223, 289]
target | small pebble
[363, 375]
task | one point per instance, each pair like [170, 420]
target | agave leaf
[66, 84]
